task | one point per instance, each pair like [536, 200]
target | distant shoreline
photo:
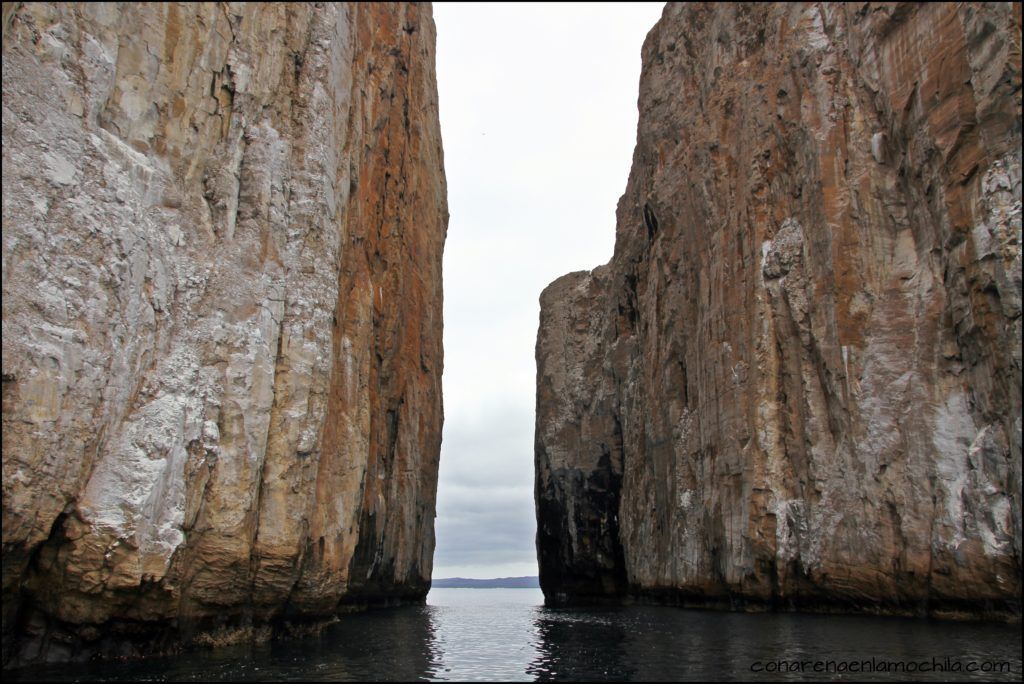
[450, 586]
[497, 583]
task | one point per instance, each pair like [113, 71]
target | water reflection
[571, 646]
[484, 634]
[646, 643]
[395, 645]
[496, 634]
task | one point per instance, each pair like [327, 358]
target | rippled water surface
[506, 634]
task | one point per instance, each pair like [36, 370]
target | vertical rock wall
[222, 236]
[798, 381]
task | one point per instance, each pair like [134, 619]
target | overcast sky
[538, 120]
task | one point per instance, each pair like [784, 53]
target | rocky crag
[222, 236]
[797, 383]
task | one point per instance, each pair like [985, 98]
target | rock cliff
[222, 236]
[797, 383]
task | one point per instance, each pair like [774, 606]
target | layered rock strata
[797, 383]
[222, 236]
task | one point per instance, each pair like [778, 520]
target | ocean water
[507, 634]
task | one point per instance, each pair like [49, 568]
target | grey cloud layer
[538, 117]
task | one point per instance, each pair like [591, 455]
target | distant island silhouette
[498, 583]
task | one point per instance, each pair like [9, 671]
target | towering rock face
[798, 381]
[222, 237]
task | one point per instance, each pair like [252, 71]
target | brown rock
[798, 381]
[222, 238]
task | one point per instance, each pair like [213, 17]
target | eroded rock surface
[222, 236]
[798, 381]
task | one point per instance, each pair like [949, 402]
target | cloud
[538, 120]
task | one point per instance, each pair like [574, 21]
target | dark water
[505, 634]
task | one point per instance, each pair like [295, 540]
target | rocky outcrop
[797, 384]
[222, 237]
